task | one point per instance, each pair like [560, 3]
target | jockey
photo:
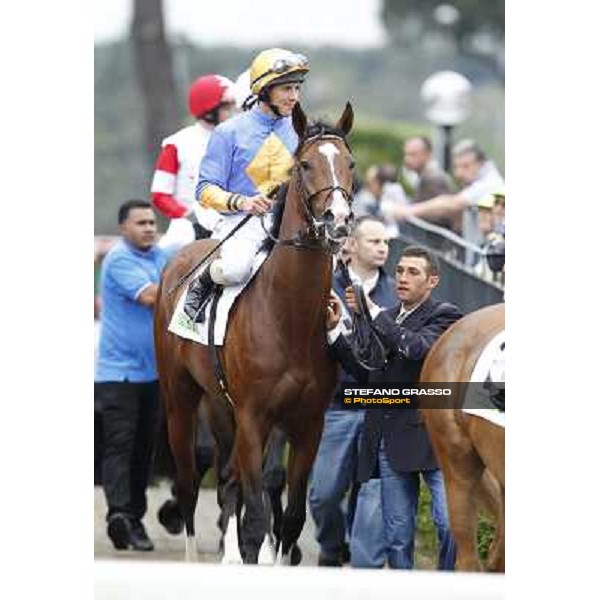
[247, 158]
[211, 101]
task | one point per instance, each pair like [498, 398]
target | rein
[365, 342]
[195, 267]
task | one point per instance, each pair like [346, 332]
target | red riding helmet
[207, 92]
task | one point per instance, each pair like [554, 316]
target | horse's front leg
[274, 476]
[304, 446]
[248, 453]
[222, 424]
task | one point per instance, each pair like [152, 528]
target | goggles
[283, 65]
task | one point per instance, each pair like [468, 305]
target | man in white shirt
[478, 177]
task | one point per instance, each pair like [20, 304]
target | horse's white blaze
[339, 206]
[191, 549]
[231, 549]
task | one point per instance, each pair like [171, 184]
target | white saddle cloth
[490, 364]
[183, 326]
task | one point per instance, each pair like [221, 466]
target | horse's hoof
[232, 559]
[295, 555]
[283, 560]
[169, 516]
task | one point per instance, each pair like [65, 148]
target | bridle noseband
[316, 235]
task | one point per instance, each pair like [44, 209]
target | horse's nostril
[342, 231]
[328, 216]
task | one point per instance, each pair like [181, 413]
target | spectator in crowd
[211, 101]
[97, 408]
[485, 224]
[126, 378]
[485, 217]
[395, 443]
[477, 175]
[431, 181]
[498, 211]
[495, 242]
[334, 469]
[380, 195]
[490, 220]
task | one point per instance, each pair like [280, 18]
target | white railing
[124, 580]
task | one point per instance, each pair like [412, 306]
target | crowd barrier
[459, 281]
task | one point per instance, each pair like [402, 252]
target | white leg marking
[191, 549]
[283, 560]
[231, 548]
[266, 556]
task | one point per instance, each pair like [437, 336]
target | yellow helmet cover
[273, 64]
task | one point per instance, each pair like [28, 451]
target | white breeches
[238, 252]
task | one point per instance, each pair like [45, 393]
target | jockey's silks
[248, 154]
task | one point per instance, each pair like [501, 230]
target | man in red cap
[211, 101]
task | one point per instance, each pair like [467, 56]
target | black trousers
[129, 413]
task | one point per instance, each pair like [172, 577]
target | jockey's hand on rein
[257, 205]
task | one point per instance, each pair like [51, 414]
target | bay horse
[469, 449]
[275, 356]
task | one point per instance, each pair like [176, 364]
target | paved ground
[169, 547]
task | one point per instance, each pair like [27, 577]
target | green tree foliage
[408, 20]
[477, 31]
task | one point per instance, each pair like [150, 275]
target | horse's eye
[352, 164]
[305, 165]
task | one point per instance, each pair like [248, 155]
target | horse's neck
[297, 280]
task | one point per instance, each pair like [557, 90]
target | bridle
[315, 236]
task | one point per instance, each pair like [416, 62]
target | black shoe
[329, 562]
[139, 538]
[119, 531]
[295, 555]
[170, 517]
[198, 294]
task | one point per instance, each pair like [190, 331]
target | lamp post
[447, 99]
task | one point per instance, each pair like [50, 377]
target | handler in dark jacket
[395, 441]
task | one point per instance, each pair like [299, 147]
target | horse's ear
[346, 120]
[299, 120]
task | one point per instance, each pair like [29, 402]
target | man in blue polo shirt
[126, 377]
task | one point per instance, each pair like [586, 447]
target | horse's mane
[314, 129]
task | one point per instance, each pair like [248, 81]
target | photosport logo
[399, 395]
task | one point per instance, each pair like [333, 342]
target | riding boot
[198, 293]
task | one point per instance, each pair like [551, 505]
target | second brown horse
[274, 356]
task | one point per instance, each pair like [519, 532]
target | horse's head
[325, 166]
